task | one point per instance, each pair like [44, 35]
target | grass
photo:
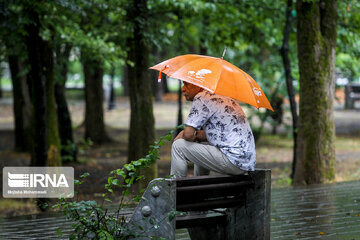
[347, 143]
[14, 207]
[276, 152]
[343, 143]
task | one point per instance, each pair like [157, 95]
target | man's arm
[192, 135]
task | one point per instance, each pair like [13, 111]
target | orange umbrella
[215, 75]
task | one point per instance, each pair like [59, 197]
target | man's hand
[180, 135]
[201, 136]
[192, 135]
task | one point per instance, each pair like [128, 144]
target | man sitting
[217, 136]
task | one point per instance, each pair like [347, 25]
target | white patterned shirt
[225, 126]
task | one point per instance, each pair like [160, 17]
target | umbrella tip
[222, 57]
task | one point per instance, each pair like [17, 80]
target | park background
[76, 90]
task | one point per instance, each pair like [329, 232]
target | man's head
[190, 91]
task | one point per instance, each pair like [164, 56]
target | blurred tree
[32, 39]
[284, 51]
[94, 22]
[15, 53]
[125, 82]
[101, 37]
[68, 147]
[39, 53]
[181, 48]
[316, 34]
[94, 113]
[112, 97]
[277, 116]
[2, 59]
[1, 91]
[21, 103]
[142, 129]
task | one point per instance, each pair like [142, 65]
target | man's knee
[178, 145]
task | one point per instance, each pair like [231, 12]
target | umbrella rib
[221, 70]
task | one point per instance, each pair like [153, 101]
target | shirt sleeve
[199, 114]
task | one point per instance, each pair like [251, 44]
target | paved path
[318, 212]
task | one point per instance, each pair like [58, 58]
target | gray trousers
[205, 157]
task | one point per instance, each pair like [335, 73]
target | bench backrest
[210, 192]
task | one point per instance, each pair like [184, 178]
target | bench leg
[252, 221]
[206, 233]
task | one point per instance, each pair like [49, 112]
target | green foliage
[85, 144]
[92, 220]
[69, 149]
[348, 39]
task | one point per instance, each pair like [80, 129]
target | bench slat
[211, 204]
[203, 193]
[203, 180]
[209, 187]
[205, 220]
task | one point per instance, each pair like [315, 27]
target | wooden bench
[211, 207]
[352, 93]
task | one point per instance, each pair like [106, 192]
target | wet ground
[329, 211]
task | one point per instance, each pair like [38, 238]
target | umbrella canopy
[217, 76]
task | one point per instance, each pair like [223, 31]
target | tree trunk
[142, 131]
[180, 116]
[181, 46]
[112, 97]
[22, 106]
[316, 36]
[125, 82]
[1, 91]
[157, 87]
[68, 149]
[289, 80]
[34, 45]
[164, 83]
[94, 111]
[54, 149]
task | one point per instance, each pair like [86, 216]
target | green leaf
[126, 192]
[137, 198]
[168, 137]
[77, 182]
[84, 175]
[129, 167]
[137, 163]
[116, 182]
[110, 179]
[121, 172]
